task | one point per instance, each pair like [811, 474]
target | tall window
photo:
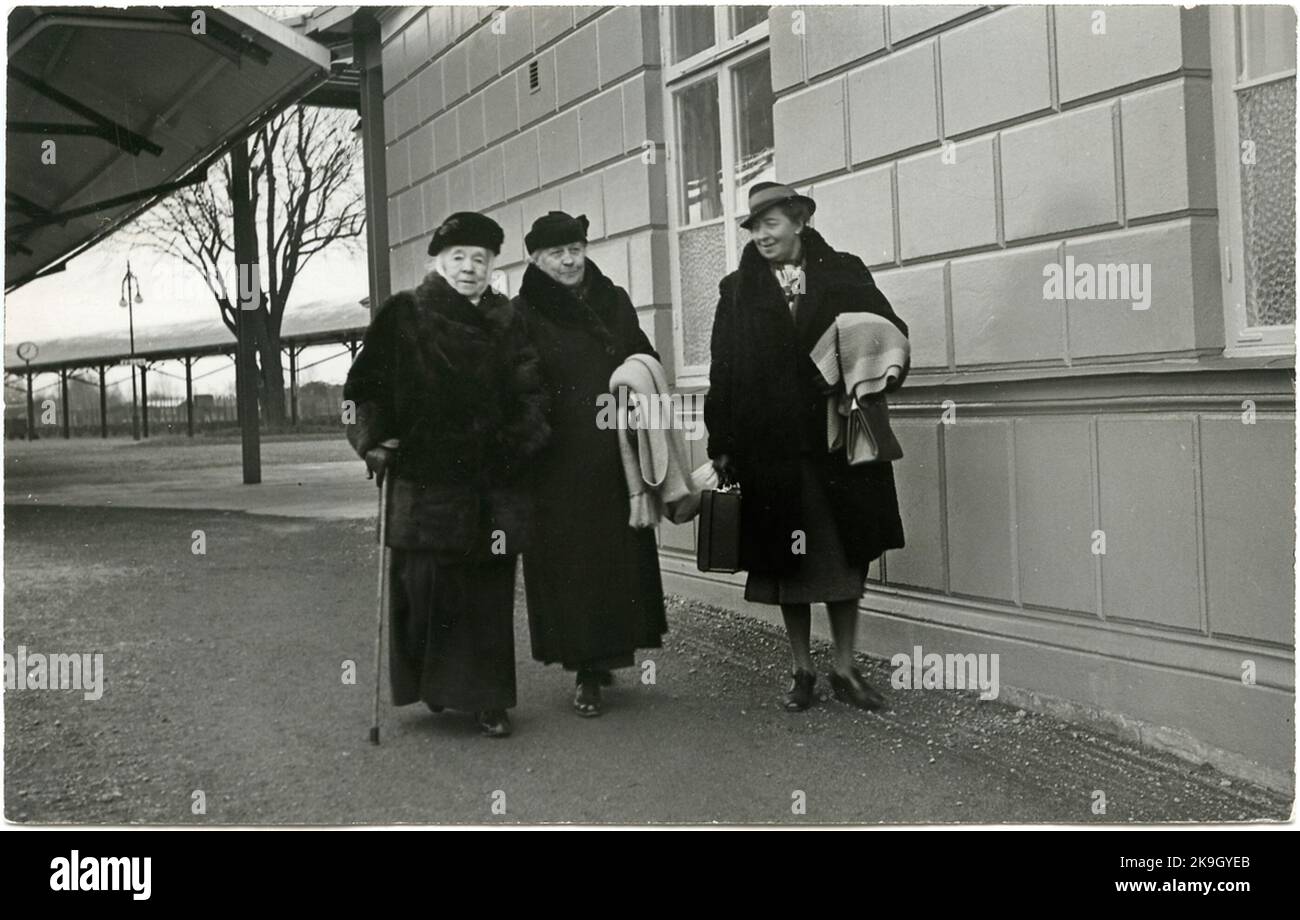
[701, 176]
[693, 31]
[744, 18]
[1255, 98]
[755, 142]
[719, 86]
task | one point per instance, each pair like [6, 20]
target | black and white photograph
[641, 416]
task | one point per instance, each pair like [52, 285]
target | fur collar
[437, 298]
[449, 332]
[826, 272]
[590, 308]
[563, 304]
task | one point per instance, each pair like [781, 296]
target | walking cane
[381, 600]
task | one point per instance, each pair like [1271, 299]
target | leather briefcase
[717, 543]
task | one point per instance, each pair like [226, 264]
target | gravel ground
[223, 675]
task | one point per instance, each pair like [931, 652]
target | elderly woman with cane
[593, 583]
[449, 407]
[810, 522]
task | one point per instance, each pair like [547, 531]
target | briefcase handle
[728, 483]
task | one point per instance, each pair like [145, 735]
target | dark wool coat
[459, 386]
[593, 584]
[765, 404]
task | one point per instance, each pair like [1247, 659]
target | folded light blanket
[859, 356]
[657, 467]
[685, 510]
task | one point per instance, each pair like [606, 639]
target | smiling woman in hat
[449, 402]
[766, 417]
[594, 590]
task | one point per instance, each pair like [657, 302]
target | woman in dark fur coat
[448, 401]
[593, 584]
[766, 415]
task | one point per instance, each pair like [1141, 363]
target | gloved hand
[380, 460]
[725, 469]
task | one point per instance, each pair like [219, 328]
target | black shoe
[435, 709]
[586, 699]
[494, 723]
[800, 695]
[855, 691]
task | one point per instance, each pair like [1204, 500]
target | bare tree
[307, 195]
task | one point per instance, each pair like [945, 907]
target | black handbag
[717, 544]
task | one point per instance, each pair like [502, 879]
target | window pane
[1266, 114]
[746, 17]
[755, 144]
[702, 253]
[1267, 38]
[701, 152]
[692, 30]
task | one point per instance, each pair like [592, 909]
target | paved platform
[175, 473]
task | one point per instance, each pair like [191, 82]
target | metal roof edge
[278, 32]
[330, 17]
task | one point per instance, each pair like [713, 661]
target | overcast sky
[83, 300]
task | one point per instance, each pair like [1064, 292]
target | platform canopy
[318, 322]
[109, 110]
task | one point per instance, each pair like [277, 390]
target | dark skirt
[451, 632]
[824, 572]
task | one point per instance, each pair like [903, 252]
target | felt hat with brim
[766, 195]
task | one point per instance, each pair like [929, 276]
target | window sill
[715, 54]
[918, 379]
[696, 379]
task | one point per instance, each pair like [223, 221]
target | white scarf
[791, 278]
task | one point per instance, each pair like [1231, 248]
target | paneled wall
[1014, 510]
[520, 110]
[960, 150]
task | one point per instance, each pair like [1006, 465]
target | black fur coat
[459, 386]
[594, 589]
[766, 407]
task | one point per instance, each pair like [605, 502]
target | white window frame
[716, 62]
[1240, 339]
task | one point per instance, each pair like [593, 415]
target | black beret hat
[556, 229]
[467, 228]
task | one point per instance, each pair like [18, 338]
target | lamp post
[129, 280]
[27, 351]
